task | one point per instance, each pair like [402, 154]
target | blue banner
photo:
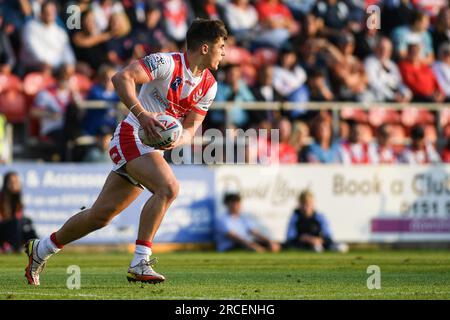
[52, 193]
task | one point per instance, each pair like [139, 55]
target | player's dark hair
[204, 30]
[231, 197]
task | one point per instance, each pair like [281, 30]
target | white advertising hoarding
[362, 203]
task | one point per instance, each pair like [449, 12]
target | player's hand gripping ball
[171, 134]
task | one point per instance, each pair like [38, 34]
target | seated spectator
[318, 87]
[417, 29]
[385, 152]
[176, 18]
[356, 150]
[289, 78]
[395, 13]
[300, 140]
[385, 80]
[441, 69]
[242, 19]
[287, 152]
[5, 145]
[348, 75]
[445, 154]
[366, 41]
[103, 10]
[277, 23]
[441, 32]
[420, 151]
[419, 76]
[265, 91]
[309, 229]
[334, 15]
[103, 91]
[7, 55]
[120, 47]
[15, 229]
[322, 149]
[50, 105]
[100, 152]
[233, 89]
[45, 42]
[150, 36]
[90, 42]
[208, 9]
[236, 231]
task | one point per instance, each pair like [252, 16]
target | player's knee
[101, 216]
[170, 190]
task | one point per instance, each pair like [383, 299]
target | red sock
[144, 243]
[55, 242]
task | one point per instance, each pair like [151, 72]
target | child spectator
[287, 153]
[356, 150]
[323, 149]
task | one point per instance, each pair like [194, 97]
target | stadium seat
[412, 116]
[13, 105]
[263, 56]
[379, 116]
[37, 81]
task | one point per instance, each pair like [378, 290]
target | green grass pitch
[418, 274]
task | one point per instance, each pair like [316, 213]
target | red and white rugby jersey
[173, 89]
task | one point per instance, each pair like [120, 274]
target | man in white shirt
[45, 42]
[441, 69]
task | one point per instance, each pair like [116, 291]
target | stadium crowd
[278, 51]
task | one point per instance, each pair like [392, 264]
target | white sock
[46, 248]
[141, 253]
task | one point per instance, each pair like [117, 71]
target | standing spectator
[441, 32]
[277, 23]
[266, 92]
[94, 119]
[323, 149]
[289, 78]
[417, 30]
[15, 229]
[419, 76]
[385, 80]
[420, 151]
[90, 42]
[287, 152]
[309, 229]
[43, 41]
[356, 150]
[242, 19]
[234, 230]
[441, 69]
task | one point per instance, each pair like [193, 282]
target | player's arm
[125, 82]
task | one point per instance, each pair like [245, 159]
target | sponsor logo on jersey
[176, 83]
[153, 62]
[156, 96]
[189, 83]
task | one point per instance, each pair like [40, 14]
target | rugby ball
[172, 133]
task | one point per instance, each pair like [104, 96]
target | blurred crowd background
[297, 51]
